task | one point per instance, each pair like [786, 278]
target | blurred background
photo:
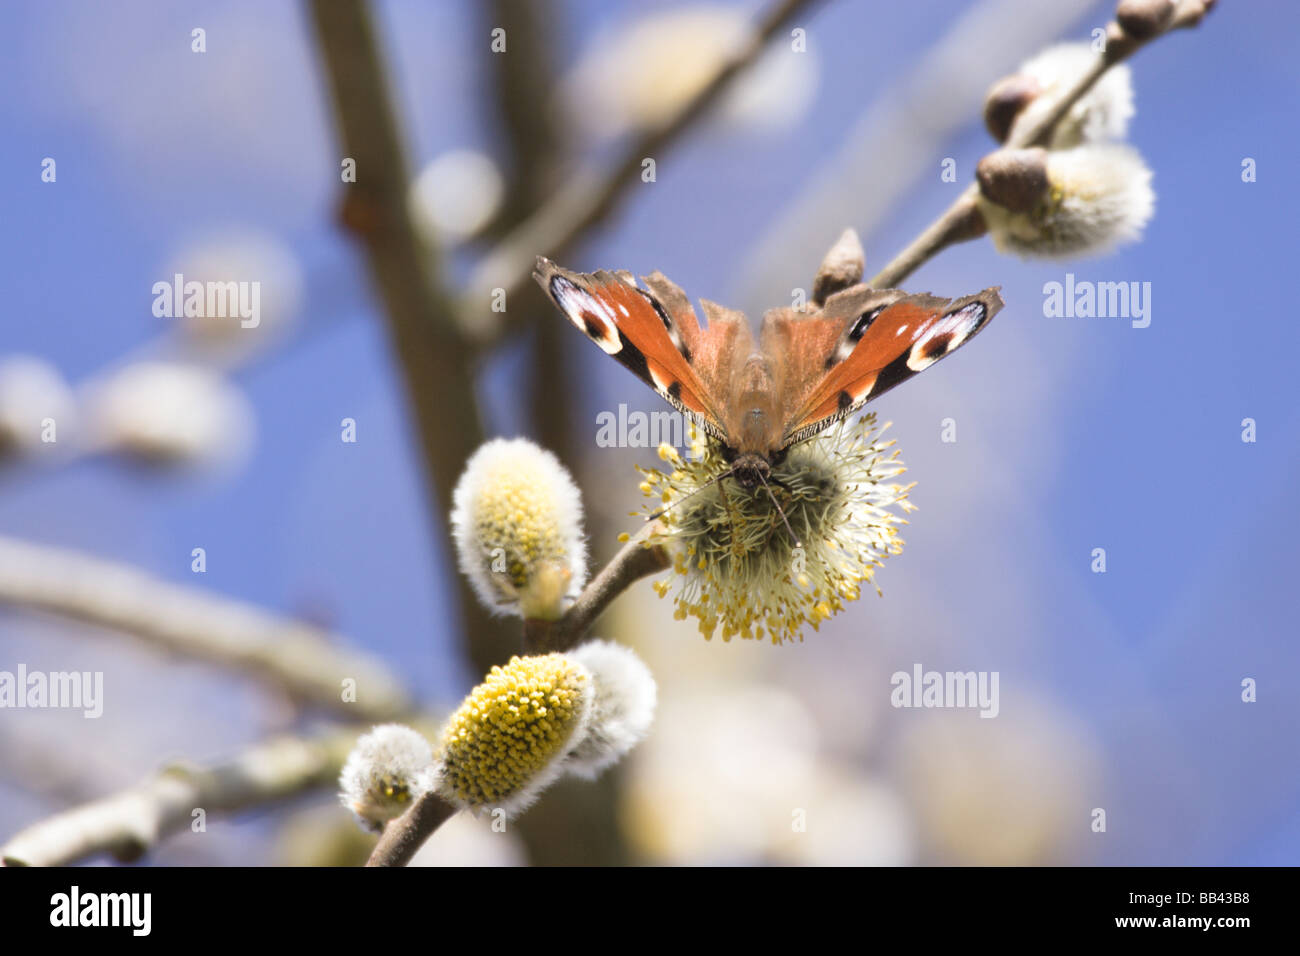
[1119, 691]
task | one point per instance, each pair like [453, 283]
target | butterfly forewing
[635, 327]
[894, 337]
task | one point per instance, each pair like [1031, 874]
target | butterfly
[810, 368]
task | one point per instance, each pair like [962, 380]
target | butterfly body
[807, 370]
[755, 396]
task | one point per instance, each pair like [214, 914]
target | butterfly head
[750, 470]
[753, 470]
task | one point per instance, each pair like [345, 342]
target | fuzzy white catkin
[456, 195]
[731, 572]
[1098, 196]
[241, 256]
[517, 522]
[390, 756]
[170, 412]
[32, 392]
[677, 52]
[623, 707]
[1101, 114]
[1009, 798]
[717, 780]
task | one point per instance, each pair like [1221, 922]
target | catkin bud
[1097, 197]
[1005, 101]
[387, 771]
[169, 413]
[623, 706]
[1099, 115]
[842, 267]
[1015, 179]
[1143, 19]
[267, 268]
[37, 408]
[508, 740]
[456, 195]
[733, 567]
[517, 522]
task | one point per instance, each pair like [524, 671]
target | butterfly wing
[652, 333]
[863, 343]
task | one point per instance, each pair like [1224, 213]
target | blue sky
[1074, 433]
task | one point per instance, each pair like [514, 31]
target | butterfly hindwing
[651, 333]
[884, 338]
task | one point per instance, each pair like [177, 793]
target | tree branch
[437, 366]
[522, 81]
[588, 198]
[293, 657]
[962, 221]
[128, 823]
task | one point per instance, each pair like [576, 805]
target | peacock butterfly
[811, 368]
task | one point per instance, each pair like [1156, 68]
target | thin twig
[404, 836]
[306, 663]
[635, 560]
[893, 142]
[128, 823]
[587, 199]
[962, 221]
[1040, 120]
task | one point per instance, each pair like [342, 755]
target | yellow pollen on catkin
[514, 514]
[511, 727]
[734, 560]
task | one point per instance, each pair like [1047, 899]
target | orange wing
[633, 326]
[886, 337]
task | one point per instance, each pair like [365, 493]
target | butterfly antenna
[716, 478]
[793, 537]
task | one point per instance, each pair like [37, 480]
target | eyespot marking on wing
[945, 335]
[588, 313]
[853, 336]
[863, 323]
